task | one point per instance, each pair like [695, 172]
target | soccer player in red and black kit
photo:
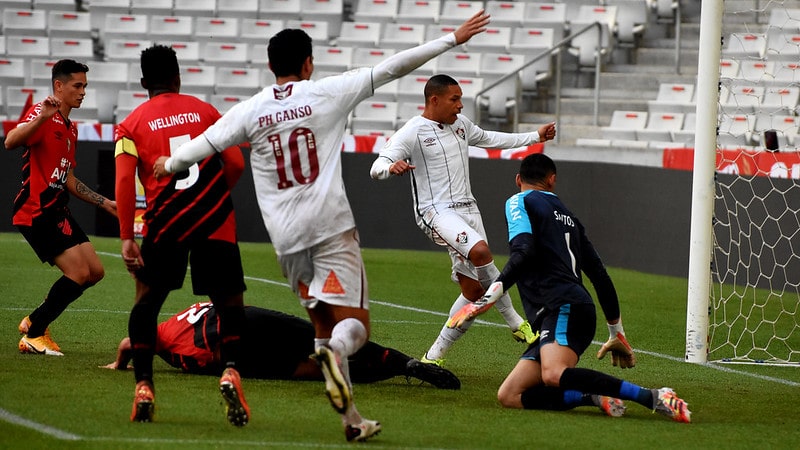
[189, 219]
[40, 209]
[189, 340]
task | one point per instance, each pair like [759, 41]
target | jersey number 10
[297, 137]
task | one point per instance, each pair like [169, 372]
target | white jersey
[295, 131]
[440, 153]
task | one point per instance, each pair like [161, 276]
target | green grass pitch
[68, 402]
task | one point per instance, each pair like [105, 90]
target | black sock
[545, 397]
[142, 330]
[373, 362]
[63, 292]
[232, 322]
[590, 381]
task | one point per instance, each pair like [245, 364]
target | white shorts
[331, 272]
[458, 228]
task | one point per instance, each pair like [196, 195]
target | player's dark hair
[536, 168]
[63, 69]
[438, 84]
[159, 65]
[287, 52]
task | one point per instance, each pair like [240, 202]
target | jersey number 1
[297, 137]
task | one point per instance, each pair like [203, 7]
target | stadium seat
[459, 64]
[376, 11]
[125, 26]
[780, 100]
[237, 81]
[258, 31]
[407, 110]
[624, 125]
[81, 49]
[225, 54]
[410, 88]
[685, 137]
[756, 70]
[279, 10]
[787, 73]
[99, 9]
[88, 112]
[219, 29]
[419, 11]
[317, 30]
[12, 71]
[108, 78]
[632, 20]
[745, 45]
[41, 71]
[195, 8]
[736, 131]
[2, 45]
[54, 5]
[493, 40]
[728, 68]
[371, 114]
[127, 101]
[386, 93]
[126, 50]
[267, 77]
[198, 78]
[330, 11]
[402, 35]
[455, 12]
[783, 46]
[188, 52]
[470, 86]
[787, 127]
[673, 98]
[17, 96]
[369, 57]
[504, 97]
[171, 28]
[152, 7]
[586, 46]
[436, 31]
[743, 99]
[529, 39]
[785, 19]
[237, 8]
[257, 55]
[69, 24]
[224, 102]
[24, 22]
[332, 59]
[506, 13]
[546, 15]
[27, 47]
[660, 127]
[356, 34]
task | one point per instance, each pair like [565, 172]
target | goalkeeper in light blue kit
[549, 250]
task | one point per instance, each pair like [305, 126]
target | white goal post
[743, 299]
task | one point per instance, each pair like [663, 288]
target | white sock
[347, 337]
[486, 276]
[448, 336]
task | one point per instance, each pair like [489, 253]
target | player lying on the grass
[549, 251]
[189, 341]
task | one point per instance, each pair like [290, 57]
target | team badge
[461, 133]
[461, 238]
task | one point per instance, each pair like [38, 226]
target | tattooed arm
[81, 191]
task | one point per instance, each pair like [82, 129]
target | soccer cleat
[144, 404]
[438, 362]
[362, 431]
[433, 374]
[25, 324]
[670, 405]
[230, 385]
[336, 386]
[38, 345]
[613, 407]
[525, 333]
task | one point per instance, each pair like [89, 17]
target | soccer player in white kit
[434, 149]
[295, 129]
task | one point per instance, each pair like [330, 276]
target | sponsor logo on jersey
[462, 238]
[429, 142]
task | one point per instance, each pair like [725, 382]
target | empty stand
[386, 93]
[225, 53]
[376, 11]
[27, 47]
[410, 88]
[171, 28]
[127, 50]
[407, 110]
[237, 8]
[108, 78]
[781, 100]
[125, 26]
[470, 86]
[504, 97]
[783, 46]
[99, 9]
[237, 81]
[459, 64]
[41, 72]
[24, 22]
[546, 15]
[506, 13]
[624, 125]
[632, 20]
[258, 31]
[494, 39]
[755, 70]
[152, 7]
[88, 112]
[317, 30]
[369, 57]
[332, 59]
[187, 52]
[330, 11]
[455, 12]
[54, 5]
[786, 73]
[198, 78]
[745, 45]
[360, 34]
[728, 68]
[12, 71]
[224, 102]
[17, 96]
[219, 29]
[673, 98]
[257, 55]
[81, 49]
[195, 8]
[371, 114]
[661, 127]
[127, 101]
[279, 9]
[743, 99]
[787, 127]
[736, 131]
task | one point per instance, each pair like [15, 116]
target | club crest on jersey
[281, 92]
[462, 238]
[461, 133]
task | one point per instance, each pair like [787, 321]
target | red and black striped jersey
[49, 155]
[194, 204]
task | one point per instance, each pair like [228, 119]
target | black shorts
[216, 267]
[572, 325]
[52, 233]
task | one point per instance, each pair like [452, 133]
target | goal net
[754, 284]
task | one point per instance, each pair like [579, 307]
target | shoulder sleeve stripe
[125, 145]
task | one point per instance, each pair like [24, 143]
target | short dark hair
[159, 65]
[536, 168]
[63, 69]
[287, 51]
[438, 84]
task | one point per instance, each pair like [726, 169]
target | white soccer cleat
[336, 386]
[362, 431]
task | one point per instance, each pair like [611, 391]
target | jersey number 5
[194, 170]
[301, 144]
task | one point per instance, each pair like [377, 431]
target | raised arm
[20, 134]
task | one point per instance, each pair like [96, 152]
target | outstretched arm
[123, 356]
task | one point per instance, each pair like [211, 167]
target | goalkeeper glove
[621, 351]
[474, 309]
